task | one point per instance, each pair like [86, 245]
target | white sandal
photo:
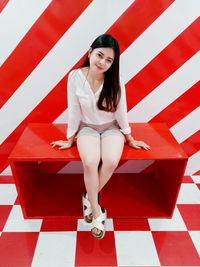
[87, 210]
[99, 223]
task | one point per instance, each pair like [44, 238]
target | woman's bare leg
[89, 150]
[111, 150]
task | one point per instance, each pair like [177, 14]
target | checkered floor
[68, 242]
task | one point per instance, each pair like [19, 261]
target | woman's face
[101, 59]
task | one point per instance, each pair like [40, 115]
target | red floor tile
[197, 173]
[59, 224]
[187, 179]
[17, 249]
[175, 248]
[191, 216]
[131, 225]
[92, 252]
[6, 179]
[4, 213]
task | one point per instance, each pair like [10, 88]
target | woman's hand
[62, 144]
[138, 144]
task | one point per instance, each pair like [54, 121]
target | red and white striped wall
[41, 41]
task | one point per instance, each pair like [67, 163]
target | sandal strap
[86, 202]
[88, 210]
[98, 224]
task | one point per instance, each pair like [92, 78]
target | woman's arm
[121, 113]
[63, 144]
[74, 110]
[73, 114]
[122, 119]
[136, 144]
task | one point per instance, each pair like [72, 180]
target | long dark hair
[111, 91]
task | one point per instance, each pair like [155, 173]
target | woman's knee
[90, 164]
[110, 163]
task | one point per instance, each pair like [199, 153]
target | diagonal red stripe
[192, 144]
[197, 173]
[181, 107]
[136, 19]
[40, 39]
[3, 3]
[164, 64]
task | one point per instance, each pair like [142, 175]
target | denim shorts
[99, 131]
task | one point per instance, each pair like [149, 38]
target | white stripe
[196, 179]
[15, 21]
[72, 167]
[55, 249]
[134, 166]
[62, 118]
[193, 164]
[69, 49]
[158, 35]
[6, 171]
[173, 87]
[187, 126]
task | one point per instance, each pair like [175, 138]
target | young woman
[97, 119]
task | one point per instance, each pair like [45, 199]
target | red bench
[43, 192]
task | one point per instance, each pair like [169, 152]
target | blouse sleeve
[121, 112]
[73, 106]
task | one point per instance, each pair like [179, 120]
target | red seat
[45, 192]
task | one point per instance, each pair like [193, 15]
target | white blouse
[82, 105]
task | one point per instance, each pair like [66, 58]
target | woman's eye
[99, 55]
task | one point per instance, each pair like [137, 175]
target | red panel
[142, 195]
[157, 135]
[47, 195]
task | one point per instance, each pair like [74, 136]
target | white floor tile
[55, 249]
[189, 194]
[196, 178]
[135, 248]
[6, 171]
[176, 223]
[195, 235]
[17, 223]
[8, 194]
[83, 226]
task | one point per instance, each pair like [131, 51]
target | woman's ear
[89, 52]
